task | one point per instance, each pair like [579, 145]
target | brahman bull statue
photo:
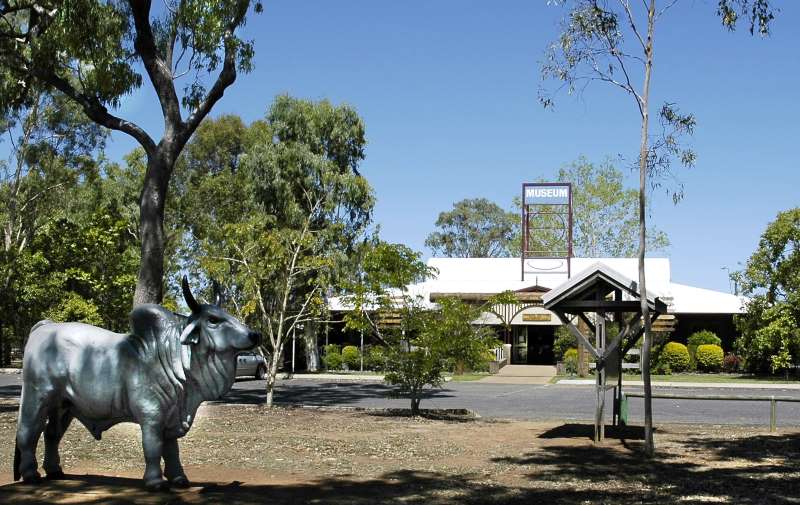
[156, 376]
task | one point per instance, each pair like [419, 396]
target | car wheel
[261, 372]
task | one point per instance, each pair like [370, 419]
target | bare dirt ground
[249, 454]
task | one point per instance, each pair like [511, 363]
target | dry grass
[248, 454]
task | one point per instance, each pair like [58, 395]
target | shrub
[731, 363]
[331, 348]
[351, 357]
[332, 360]
[674, 358]
[571, 361]
[563, 342]
[709, 357]
[375, 358]
[699, 338]
[332, 357]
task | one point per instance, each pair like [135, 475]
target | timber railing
[773, 401]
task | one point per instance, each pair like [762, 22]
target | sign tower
[546, 229]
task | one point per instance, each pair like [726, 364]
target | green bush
[699, 338]
[674, 358]
[375, 358]
[571, 361]
[563, 342]
[709, 357]
[332, 357]
[332, 360]
[351, 357]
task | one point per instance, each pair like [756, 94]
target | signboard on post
[546, 228]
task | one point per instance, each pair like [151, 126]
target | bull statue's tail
[17, 475]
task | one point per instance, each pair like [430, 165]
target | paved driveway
[545, 402]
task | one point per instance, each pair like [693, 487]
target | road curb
[11, 370]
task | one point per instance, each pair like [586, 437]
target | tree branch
[158, 70]
[96, 111]
[225, 78]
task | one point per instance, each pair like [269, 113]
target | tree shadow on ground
[12, 391]
[769, 475]
[407, 487]
[324, 394]
[575, 430]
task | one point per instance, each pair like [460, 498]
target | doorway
[532, 345]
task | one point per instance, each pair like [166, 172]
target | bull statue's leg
[172, 464]
[30, 424]
[57, 425]
[153, 443]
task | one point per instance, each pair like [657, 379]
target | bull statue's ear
[189, 297]
[189, 335]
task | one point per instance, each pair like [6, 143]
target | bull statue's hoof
[157, 485]
[56, 475]
[180, 482]
[32, 478]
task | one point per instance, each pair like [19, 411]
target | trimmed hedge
[709, 357]
[674, 358]
[699, 338]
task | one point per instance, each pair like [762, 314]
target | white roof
[692, 300]
[494, 275]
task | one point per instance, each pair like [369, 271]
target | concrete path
[522, 374]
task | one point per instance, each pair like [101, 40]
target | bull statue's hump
[149, 320]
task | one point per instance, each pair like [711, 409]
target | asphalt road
[547, 402]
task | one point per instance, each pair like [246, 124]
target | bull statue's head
[214, 327]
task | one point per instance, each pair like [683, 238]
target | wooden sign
[536, 317]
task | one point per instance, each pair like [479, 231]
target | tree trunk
[312, 350]
[272, 373]
[643, 165]
[415, 406]
[152, 202]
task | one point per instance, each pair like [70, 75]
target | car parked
[251, 364]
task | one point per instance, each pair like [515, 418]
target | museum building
[530, 329]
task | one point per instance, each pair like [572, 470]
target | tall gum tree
[93, 52]
[613, 42]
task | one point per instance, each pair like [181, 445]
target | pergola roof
[579, 292]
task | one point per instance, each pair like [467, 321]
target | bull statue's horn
[188, 296]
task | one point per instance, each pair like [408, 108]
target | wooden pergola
[597, 296]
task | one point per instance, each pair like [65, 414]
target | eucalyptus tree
[605, 214]
[50, 147]
[613, 42]
[95, 51]
[281, 220]
[474, 228]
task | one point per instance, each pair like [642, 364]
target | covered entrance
[532, 345]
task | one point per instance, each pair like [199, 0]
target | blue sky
[448, 92]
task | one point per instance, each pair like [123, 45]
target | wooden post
[600, 345]
[772, 414]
